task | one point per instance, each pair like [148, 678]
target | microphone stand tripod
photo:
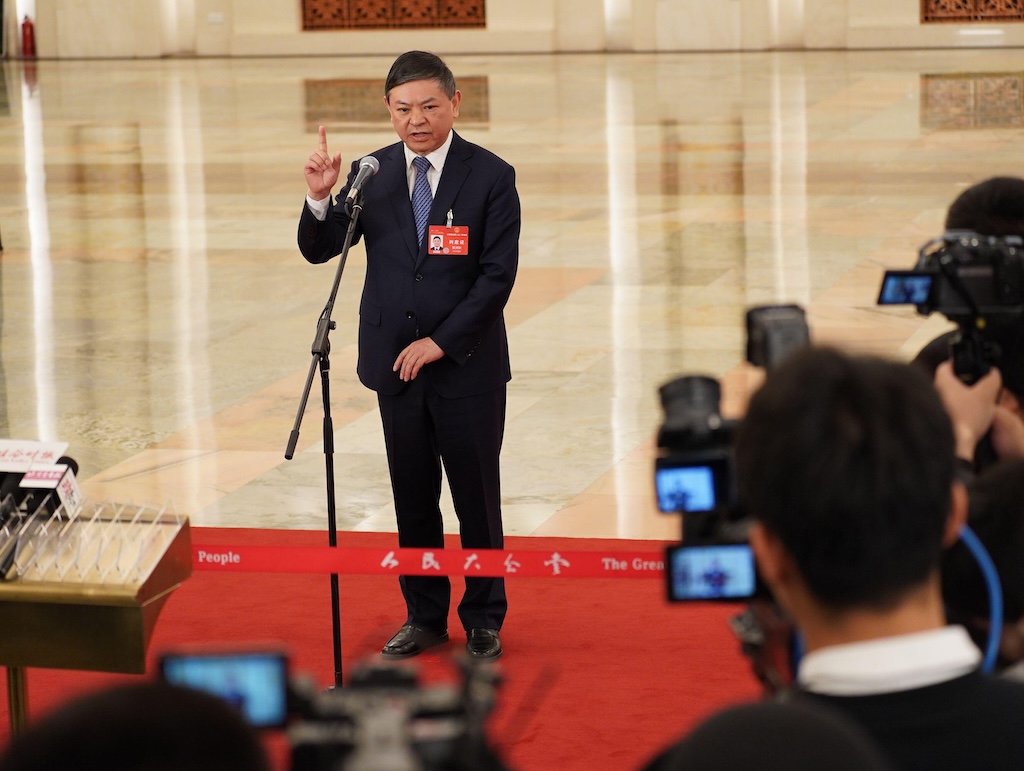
[320, 349]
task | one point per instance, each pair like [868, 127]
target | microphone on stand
[368, 166]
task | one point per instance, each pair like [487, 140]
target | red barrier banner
[428, 562]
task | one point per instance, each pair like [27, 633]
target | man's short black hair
[994, 207]
[420, 65]
[997, 517]
[849, 461]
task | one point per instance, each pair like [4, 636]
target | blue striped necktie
[422, 198]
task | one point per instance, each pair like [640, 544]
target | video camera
[384, 718]
[977, 282]
[694, 474]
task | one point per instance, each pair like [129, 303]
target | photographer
[846, 466]
[994, 207]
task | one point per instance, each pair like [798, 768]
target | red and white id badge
[450, 239]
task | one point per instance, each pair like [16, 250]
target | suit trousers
[422, 430]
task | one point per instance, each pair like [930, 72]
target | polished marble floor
[156, 314]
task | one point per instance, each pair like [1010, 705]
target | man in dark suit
[432, 340]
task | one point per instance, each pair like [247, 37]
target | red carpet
[598, 673]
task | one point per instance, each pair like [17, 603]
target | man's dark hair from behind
[996, 516]
[420, 65]
[849, 462]
[139, 727]
[994, 207]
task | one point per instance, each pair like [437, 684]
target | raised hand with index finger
[322, 170]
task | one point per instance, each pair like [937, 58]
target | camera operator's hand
[1007, 434]
[971, 408]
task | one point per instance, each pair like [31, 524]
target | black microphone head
[368, 166]
[41, 497]
[371, 163]
[71, 463]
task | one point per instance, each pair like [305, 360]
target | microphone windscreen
[71, 463]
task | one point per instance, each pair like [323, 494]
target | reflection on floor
[157, 316]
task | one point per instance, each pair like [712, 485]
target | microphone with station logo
[368, 166]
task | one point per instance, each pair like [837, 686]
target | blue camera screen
[254, 683]
[712, 572]
[905, 289]
[685, 488]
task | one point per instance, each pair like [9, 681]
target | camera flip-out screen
[255, 682]
[686, 488]
[713, 572]
[906, 287]
[693, 485]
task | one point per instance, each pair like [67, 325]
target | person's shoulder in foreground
[972, 721]
[773, 735]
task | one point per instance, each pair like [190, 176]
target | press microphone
[49, 486]
[9, 483]
[368, 166]
[56, 487]
[12, 495]
[40, 492]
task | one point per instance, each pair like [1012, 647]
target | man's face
[421, 114]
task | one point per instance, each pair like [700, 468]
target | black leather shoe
[483, 644]
[412, 640]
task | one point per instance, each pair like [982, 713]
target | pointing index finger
[323, 139]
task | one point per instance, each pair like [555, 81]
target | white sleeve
[319, 208]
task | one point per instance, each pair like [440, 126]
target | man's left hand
[970, 407]
[411, 360]
[1007, 434]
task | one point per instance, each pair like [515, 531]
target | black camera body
[773, 332]
[384, 718]
[694, 477]
[694, 473]
[975, 281]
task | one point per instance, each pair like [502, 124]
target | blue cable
[995, 597]
[796, 651]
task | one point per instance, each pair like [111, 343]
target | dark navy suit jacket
[409, 293]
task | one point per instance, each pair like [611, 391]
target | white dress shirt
[890, 664]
